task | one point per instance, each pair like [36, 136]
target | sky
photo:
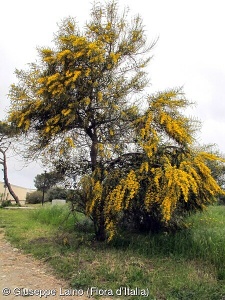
[189, 53]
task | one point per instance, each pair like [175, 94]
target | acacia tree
[6, 132]
[78, 95]
[79, 107]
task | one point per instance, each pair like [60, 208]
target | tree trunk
[93, 155]
[6, 181]
[91, 132]
[100, 232]
[98, 218]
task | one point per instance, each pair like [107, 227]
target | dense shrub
[56, 193]
[34, 197]
[6, 203]
[53, 193]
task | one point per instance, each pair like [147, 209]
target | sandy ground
[23, 277]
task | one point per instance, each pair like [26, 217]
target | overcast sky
[190, 53]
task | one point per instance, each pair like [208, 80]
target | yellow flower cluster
[119, 198]
[111, 132]
[99, 96]
[48, 55]
[174, 127]
[115, 57]
[132, 185]
[166, 208]
[93, 190]
[157, 172]
[50, 79]
[72, 77]
[70, 142]
[150, 197]
[64, 53]
[27, 124]
[87, 101]
[115, 199]
[66, 111]
[111, 228]
[144, 167]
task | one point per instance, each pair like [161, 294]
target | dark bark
[99, 225]
[93, 154]
[6, 180]
[91, 132]
[98, 218]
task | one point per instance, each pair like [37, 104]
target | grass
[188, 264]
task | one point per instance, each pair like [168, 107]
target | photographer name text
[89, 292]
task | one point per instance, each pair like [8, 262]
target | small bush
[6, 203]
[35, 197]
[56, 193]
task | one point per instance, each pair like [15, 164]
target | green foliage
[56, 193]
[6, 203]
[218, 172]
[34, 197]
[7, 130]
[53, 193]
[53, 215]
[47, 180]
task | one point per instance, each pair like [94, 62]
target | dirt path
[20, 273]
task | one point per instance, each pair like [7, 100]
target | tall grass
[188, 264]
[54, 215]
[203, 239]
[62, 218]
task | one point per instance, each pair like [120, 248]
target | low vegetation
[188, 264]
[50, 194]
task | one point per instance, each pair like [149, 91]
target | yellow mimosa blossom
[52, 78]
[87, 100]
[63, 54]
[100, 96]
[111, 132]
[66, 112]
[70, 142]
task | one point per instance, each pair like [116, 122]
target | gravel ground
[23, 277]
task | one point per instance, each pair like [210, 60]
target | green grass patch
[188, 264]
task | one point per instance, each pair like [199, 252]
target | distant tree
[217, 170]
[47, 180]
[6, 133]
[82, 107]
